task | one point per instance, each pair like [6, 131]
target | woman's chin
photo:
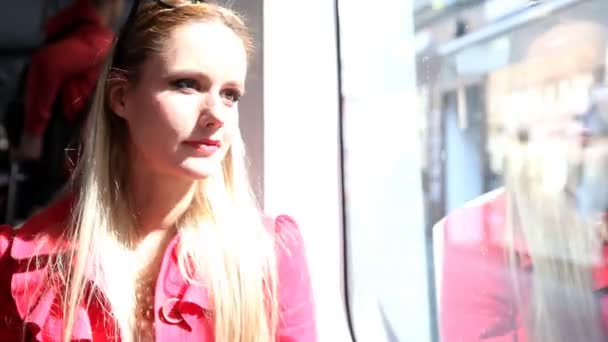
[200, 170]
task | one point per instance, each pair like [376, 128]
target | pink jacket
[477, 298]
[179, 307]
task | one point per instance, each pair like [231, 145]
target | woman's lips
[204, 147]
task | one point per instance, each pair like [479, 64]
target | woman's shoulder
[286, 233]
[289, 244]
[282, 224]
[480, 221]
[475, 298]
[20, 283]
[295, 294]
[38, 235]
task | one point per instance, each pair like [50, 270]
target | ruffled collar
[39, 305]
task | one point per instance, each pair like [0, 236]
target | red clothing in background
[66, 70]
[477, 298]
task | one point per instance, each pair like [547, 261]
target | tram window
[386, 252]
[476, 169]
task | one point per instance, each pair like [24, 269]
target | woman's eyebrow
[186, 71]
[236, 84]
[197, 73]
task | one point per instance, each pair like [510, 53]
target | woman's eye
[185, 83]
[231, 95]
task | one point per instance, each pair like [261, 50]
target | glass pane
[494, 115]
[384, 213]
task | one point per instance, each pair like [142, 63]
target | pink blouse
[180, 308]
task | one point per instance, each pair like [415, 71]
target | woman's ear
[117, 90]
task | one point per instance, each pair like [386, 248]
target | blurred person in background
[529, 262]
[160, 237]
[58, 84]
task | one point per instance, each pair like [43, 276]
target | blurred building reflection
[485, 68]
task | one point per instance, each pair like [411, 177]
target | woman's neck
[158, 200]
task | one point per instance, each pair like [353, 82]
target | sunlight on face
[183, 111]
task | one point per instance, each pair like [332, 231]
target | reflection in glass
[521, 253]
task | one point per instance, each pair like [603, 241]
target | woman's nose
[211, 113]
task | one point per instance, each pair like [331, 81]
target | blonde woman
[529, 262]
[160, 239]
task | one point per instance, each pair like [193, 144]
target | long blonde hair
[544, 221]
[562, 244]
[224, 244]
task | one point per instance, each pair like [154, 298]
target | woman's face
[580, 143]
[183, 111]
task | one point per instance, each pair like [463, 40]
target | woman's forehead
[206, 46]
